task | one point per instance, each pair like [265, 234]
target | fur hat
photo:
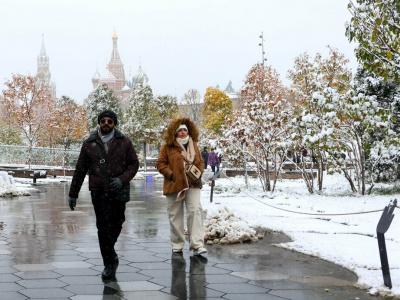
[182, 126]
[108, 113]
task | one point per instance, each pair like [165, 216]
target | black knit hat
[108, 113]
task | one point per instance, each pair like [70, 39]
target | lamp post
[262, 47]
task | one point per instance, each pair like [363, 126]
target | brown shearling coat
[170, 161]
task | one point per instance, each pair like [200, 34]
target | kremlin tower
[43, 70]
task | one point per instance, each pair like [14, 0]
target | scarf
[188, 157]
[106, 138]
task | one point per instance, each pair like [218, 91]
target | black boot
[109, 272]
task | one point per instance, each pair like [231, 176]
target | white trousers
[194, 220]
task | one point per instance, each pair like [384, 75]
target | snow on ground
[8, 186]
[349, 241]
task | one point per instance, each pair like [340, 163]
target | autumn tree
[256, 136]
[72, 122]
[30, 107]
[217, 108]
[9, 132]
[167, 109]
[99, 100]
[375, 26]
[310, 76]
[192, 106]
[142, 120]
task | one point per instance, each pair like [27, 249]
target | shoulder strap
[102, 160]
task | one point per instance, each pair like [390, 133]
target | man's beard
[105, 130]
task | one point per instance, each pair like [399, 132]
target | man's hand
[72, 203]
[116, 184]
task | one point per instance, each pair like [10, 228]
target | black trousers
[110, 215]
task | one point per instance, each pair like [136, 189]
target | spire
[115, 59]
[42, 49]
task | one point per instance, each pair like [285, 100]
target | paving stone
[10, 287]
[148, 295]
[63, 252]
[302, 294]
[96, 297]
[77, 272]
[143, 258]
[7, 270]
[11, 296]
[81, 280]
[41, 283]
[135, 286]
[219, 278]
[34, 267]
[237, 288]
[255, 297]
[199, 293]
[131, 277]
[38, 275]
[156, 273]
[71, 265]
[152, 266]
[164, 281]
[90, 254]
[91, 289]
[65, 258]
[8, 278]
[46, 293]
[6, 263]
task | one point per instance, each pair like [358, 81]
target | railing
[14, 155]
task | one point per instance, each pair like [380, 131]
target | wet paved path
[50, 252]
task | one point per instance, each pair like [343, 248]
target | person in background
[122, 164]
[179, 151]
[213, 160]
[204, 155]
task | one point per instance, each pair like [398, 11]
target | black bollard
[212, 190]
[383, 226]
[213, 184]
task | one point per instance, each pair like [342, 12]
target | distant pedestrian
[111, 161]
[204, 155]
[213, 160]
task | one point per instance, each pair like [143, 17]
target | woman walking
[178, 153]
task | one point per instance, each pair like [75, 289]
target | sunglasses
[104, 121]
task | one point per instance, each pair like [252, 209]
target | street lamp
[262, 47]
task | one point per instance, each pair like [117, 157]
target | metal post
[383, 226]
[212, 189]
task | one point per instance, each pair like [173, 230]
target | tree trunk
[30, 155]
[348, 177]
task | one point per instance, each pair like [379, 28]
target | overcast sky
[181, 44]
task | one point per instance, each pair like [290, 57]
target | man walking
[111, 160]
[204, 155]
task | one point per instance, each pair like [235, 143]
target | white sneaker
[177, 250]
[200, 251]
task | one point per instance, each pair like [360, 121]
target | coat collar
[95, 136]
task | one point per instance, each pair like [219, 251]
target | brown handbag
[193, 172]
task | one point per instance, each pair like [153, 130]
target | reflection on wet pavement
[50, 252]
